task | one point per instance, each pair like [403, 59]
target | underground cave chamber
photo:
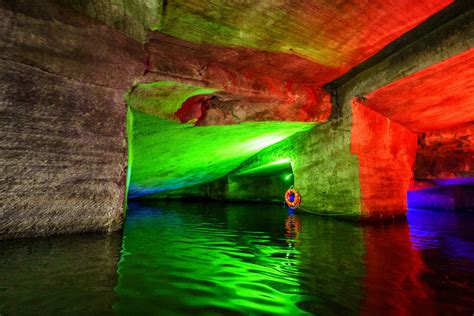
[147, 146]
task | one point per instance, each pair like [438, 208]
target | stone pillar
[386, 152]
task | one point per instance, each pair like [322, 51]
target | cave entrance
[265, 183]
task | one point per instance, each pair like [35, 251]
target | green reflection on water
[181, 258]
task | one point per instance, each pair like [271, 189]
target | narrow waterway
[211, 258]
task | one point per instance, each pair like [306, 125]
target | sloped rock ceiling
[336, 35]
[437, 97]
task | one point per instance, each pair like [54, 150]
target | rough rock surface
[134, 18]
[307, 105]
[64, 152]
[441, 44]
[437, 97]
[336, 35]
[386, 152]
[325, 172]
[447, 153]
[284, 86]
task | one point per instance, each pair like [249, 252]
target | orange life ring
[292, 198]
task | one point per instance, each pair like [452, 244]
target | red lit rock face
[258, 53]
[386, 152]
[336, 35]
[193, 108]
[235, 69]
[310, 105]
[447, 153]
[258, 85]
[438, 97]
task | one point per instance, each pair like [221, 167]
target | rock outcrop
[62, 111]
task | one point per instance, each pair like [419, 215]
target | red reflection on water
[394, 271]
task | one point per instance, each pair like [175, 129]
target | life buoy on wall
[292, 198]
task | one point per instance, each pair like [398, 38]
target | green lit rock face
[325, 172]
[162, 98]
[166, 156]
[263, 25]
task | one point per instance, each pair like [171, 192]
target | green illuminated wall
[166, 155]
[172, 160]
[325, 172]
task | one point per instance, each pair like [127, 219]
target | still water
[178, 258]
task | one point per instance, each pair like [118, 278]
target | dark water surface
[210, 259]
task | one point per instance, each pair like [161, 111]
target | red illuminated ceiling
[334, 34]
[440, 96]
[259, 38]
[275, 53]
[257, 84]
[238, 70]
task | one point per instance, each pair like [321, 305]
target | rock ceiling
[336, 35]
